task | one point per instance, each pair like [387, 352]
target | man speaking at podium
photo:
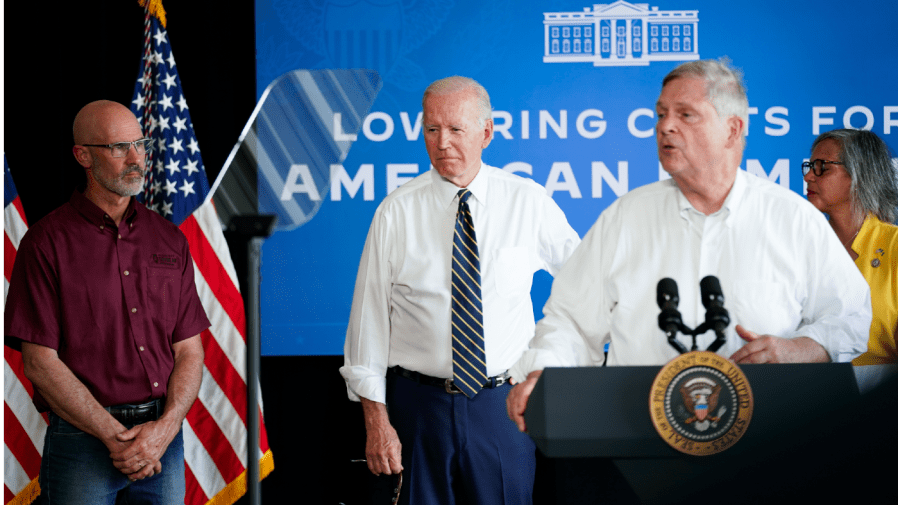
[793, 294]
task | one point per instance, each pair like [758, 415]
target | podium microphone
[669, 319]
[716, 317]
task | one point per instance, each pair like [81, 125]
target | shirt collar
[730, 204]
[96, 215]
[447, 192]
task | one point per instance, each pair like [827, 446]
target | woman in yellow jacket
[851, 178]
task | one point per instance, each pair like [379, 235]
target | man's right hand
[517, 399]
[382, 448]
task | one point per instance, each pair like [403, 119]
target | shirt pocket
[514, 274]
[163, 293]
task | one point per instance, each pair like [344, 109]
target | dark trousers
[457, 450]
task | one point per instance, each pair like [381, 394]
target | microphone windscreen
[711, 291]
[667, 292]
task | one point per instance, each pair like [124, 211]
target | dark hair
[874, 177]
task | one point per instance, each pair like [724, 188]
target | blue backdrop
[573, 86]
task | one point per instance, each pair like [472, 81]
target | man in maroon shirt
[103, 305]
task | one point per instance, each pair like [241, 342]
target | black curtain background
[58, 57]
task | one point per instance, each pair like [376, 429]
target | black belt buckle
[451, 388]
[136, 414]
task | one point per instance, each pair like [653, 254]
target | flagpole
[252, 230]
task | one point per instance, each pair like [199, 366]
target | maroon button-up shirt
[110, 299]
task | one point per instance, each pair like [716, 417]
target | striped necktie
[468, 358]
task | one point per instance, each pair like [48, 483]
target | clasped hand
[136, 452]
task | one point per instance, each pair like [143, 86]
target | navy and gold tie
[468, 358]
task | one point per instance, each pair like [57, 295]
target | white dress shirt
[782, 270]
[401, 305]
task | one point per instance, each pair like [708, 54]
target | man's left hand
[149, 442]
[771, 349]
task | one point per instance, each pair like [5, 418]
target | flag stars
[169, 81]
[140, 101]
[173, 165]
[163, 123]
[187, 188]
[191, 167]
[156, 58]
[166, 102]
[193, 146]
[176, 146]
[170, 187]
[160, 37]
[166, 209]
[182, 104]
[171, 60]
[180, 124]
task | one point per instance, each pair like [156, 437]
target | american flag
[215, 431]
[24, 428]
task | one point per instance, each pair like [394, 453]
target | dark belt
[137, 414]
[447, 384]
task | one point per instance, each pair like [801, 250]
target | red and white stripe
[23, 427]
[215, 432]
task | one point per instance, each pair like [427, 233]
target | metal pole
[253, 338]
[252, 230]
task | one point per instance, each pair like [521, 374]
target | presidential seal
[701, 403]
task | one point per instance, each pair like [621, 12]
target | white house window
[637, 31]
[576, 45]
[676, 44]
[654, 31]
[555, 45]
[587, 31]
[687, 45]
[676, 31]
[576, 31]
[665, 44]
[621, 31]
[587, 46]
[606, 32]
[637, 45]
[687, 30]
[566, 31]
[566, 46]
[665, 30]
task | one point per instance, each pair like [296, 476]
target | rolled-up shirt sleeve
[367, 347]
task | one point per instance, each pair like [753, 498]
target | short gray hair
[724, 86]
[456, 83]
[874, 181]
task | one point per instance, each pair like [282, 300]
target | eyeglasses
[120, 149]
[818, 166]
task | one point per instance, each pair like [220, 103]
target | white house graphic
[620, 34]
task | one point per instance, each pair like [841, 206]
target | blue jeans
[76, 470]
